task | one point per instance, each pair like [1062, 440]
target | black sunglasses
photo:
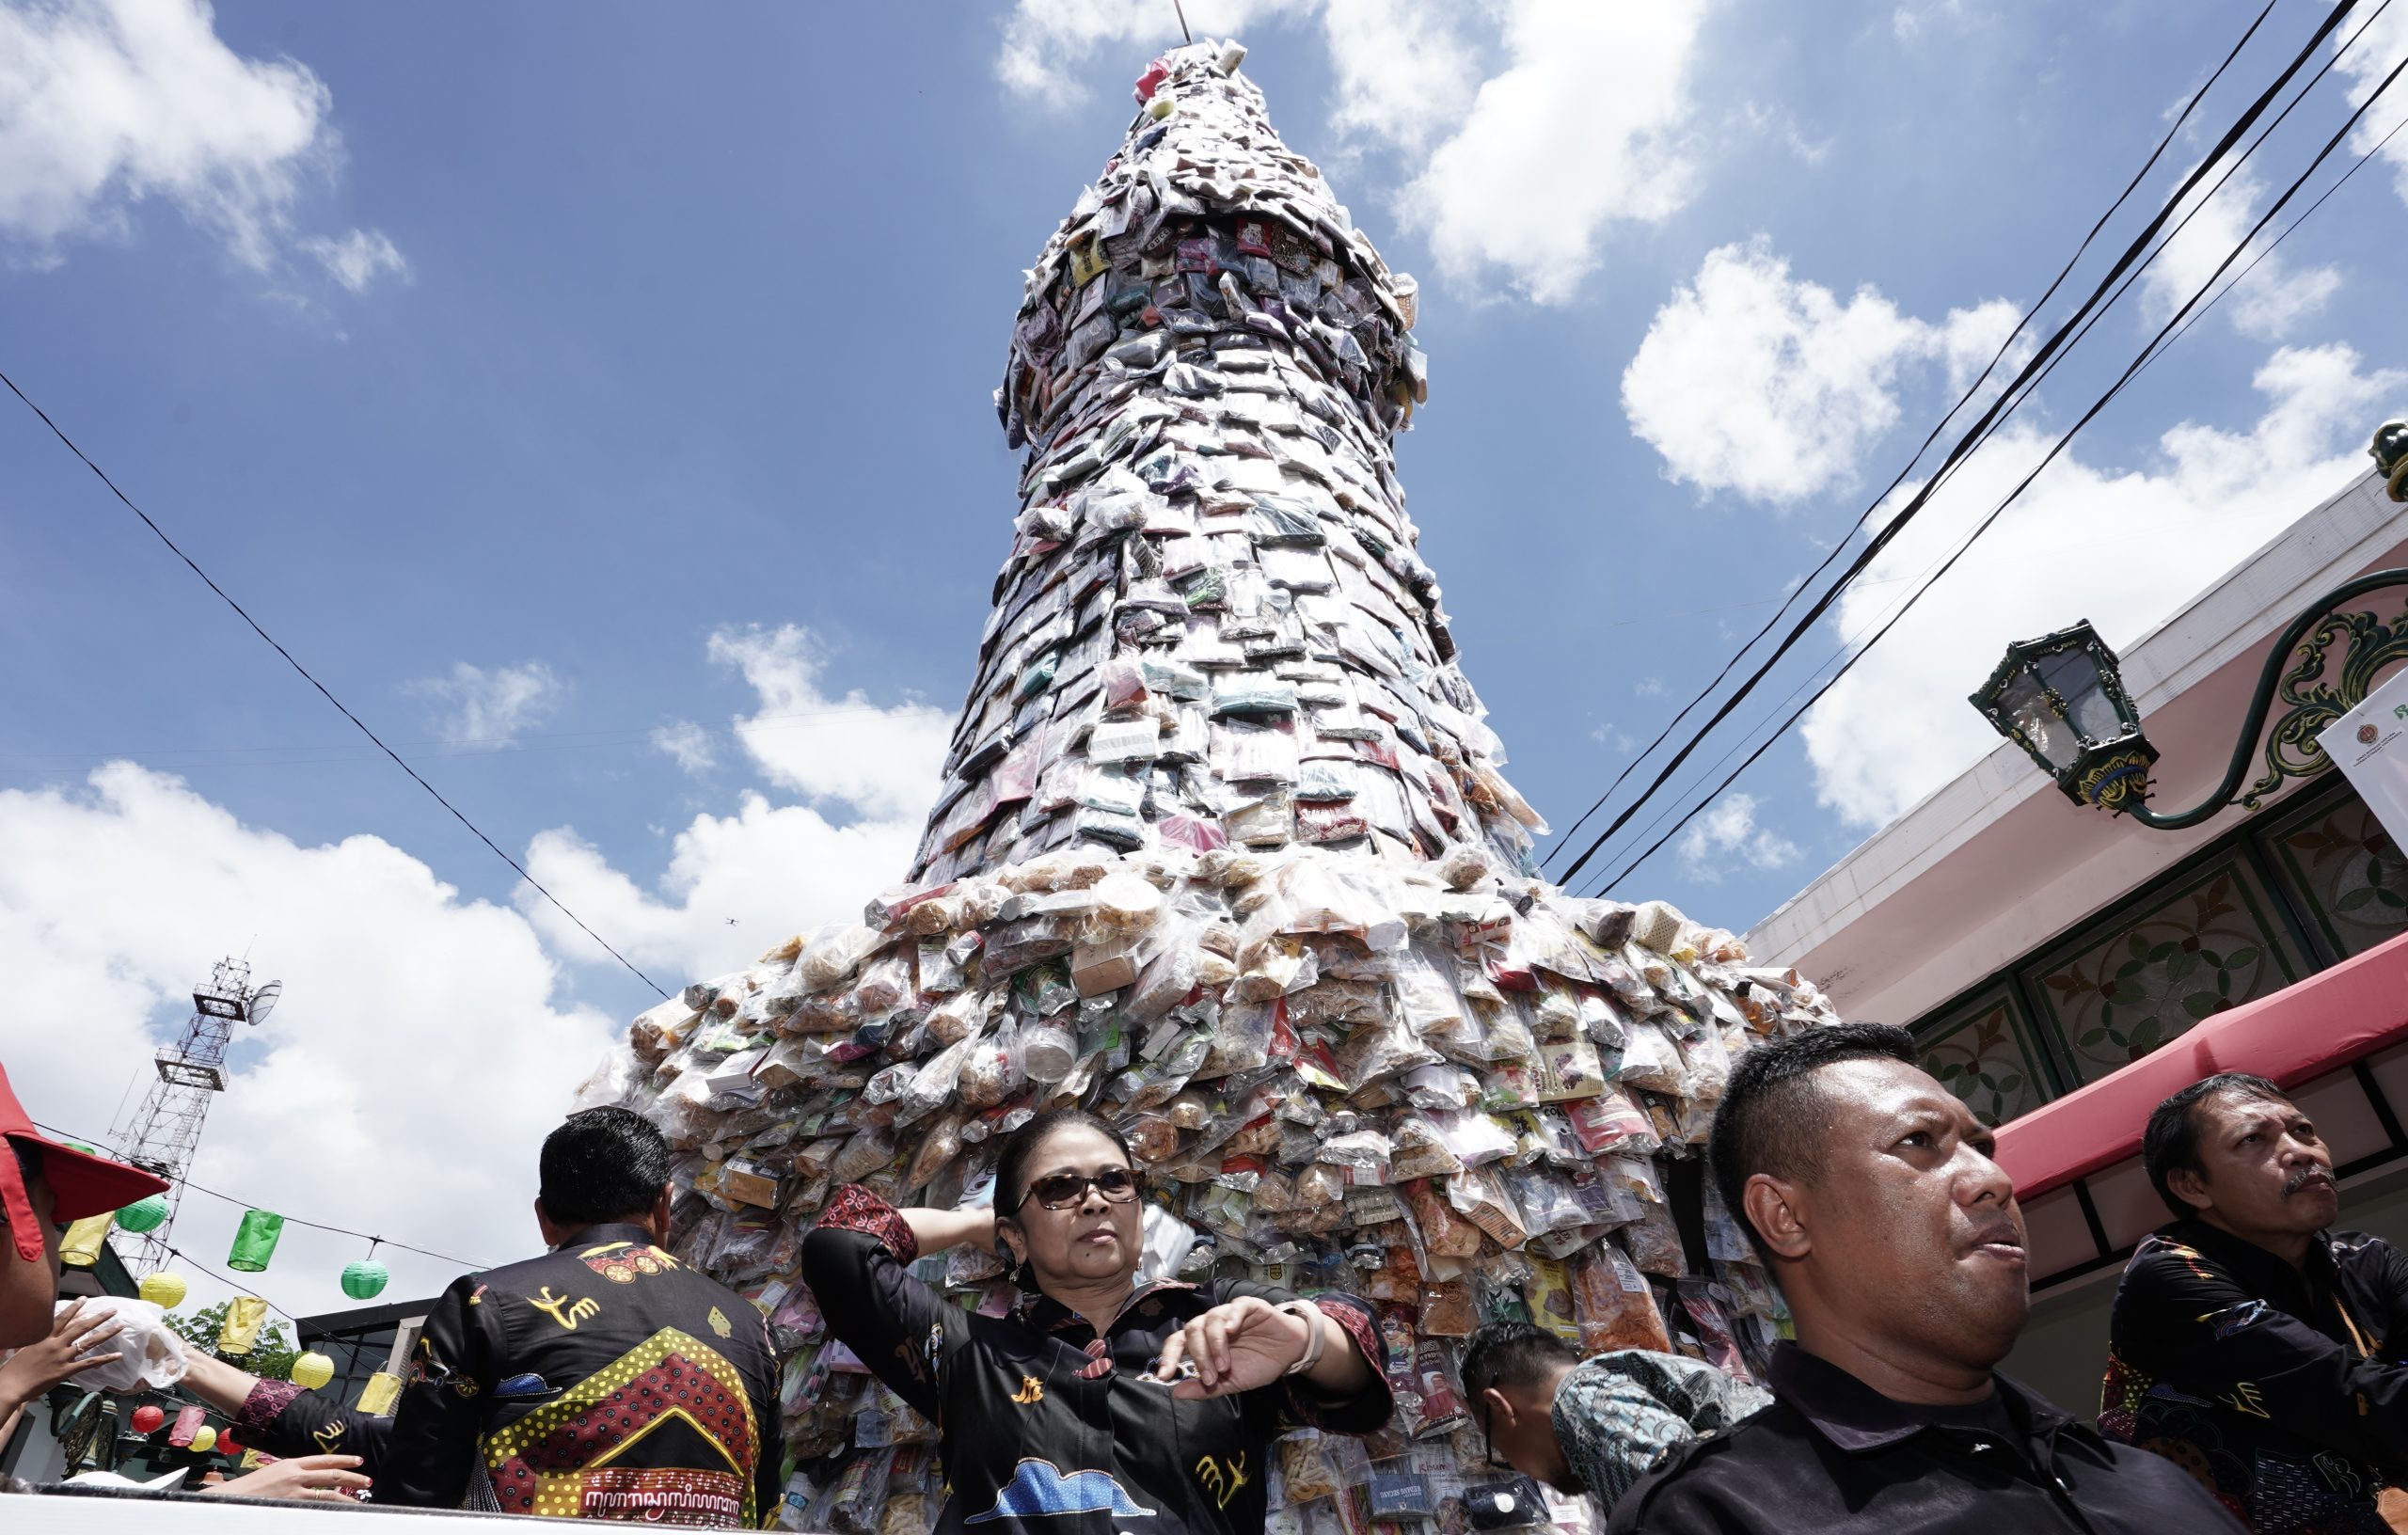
[1060, 1191]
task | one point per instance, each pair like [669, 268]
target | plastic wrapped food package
[1221, 851]
[1613, 1305]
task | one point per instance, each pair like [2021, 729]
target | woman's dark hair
[602, 1164]
[1011, 1168]
[2170, 1142]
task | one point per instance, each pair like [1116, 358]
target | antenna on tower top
[166, 1130]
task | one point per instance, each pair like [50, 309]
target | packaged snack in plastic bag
[1447, 1308]
[1305, 1466]
[1446, 1232]
[1613, 1304]
[1709, 1315]
[1548, 1293]
[1612, 1123]
[1484, 1200]
[1649, 1060]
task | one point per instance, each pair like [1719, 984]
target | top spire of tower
[1213, 626]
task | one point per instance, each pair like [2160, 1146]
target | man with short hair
[1869, 1190]
[1591, 1424]
[604, 1379]
[2250, 1345]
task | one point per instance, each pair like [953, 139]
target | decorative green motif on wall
[1986, 1062]
[2349, 875]
[2207, 949]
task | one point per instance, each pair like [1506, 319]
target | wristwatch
[1310, 1314]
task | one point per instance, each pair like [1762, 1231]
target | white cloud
[884, 762]
[2385, 43]
[1045, 40]
[104, 103]
[1405, 68]
[1893, 730]
[1729, 829]
[1754, 381]
[1587, 125]
[357, 259]
[1587, 122]
[421, 1052]
[774, 869]
[490, 707]
[688, 744]
[2276, 295]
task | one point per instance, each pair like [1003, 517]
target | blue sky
[565, 386]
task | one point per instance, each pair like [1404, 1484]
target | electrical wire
[1841, 544]
[1996, 411]
[324, 691]
[2155, 348]
[291, 1220]
[2162, 343]
[238, 1286]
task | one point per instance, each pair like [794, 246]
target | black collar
[2256, 1268]
[1048, 1315]
[1857, 1418]
[604, 1234]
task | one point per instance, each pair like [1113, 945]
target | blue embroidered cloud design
[1039, 1488]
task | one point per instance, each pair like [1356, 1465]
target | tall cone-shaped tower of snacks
[1223, 853]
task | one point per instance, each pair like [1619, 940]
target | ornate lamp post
[2062, 699]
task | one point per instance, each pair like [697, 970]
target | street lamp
[2062, 698]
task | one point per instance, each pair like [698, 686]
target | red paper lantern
[146, 1418]
[226, 1443]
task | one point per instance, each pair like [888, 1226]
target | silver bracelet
[1316, 1340]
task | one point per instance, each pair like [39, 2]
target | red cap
[80, 1183]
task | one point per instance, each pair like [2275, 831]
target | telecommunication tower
[165, 1131]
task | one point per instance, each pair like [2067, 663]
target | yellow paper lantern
[164, 1289]
[312, 1370]
[81, 1247]
[377, 1397]
[245, 1316]
[205, 1439]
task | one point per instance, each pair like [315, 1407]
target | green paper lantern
[255, 1241]
[143, 1215]
[364, 1279]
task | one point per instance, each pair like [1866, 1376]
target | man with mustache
[2250, 1345]
[1869, 1191]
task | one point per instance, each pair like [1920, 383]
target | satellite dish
[263, 1001]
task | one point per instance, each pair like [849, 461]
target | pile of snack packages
[1222, 853]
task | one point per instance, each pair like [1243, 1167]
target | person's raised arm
[75, 1335]
[857, 1263]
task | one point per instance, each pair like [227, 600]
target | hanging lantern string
[321, 1226]
[240, 1287]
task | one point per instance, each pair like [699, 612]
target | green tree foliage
[271, 1357]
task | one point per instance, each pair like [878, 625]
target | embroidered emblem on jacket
[561, 1309]
[1222, 1478]
[1031, 1390]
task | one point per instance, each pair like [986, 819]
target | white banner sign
[2370, 744]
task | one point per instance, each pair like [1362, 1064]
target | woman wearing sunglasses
[1096, 1400]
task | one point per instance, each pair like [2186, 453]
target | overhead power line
[1998, 410]
[2156, 347]
[324, 691]
[1840, 545]
[290, 1219]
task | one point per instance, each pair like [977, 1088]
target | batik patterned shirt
[604, 1379]
[2279, 1389]
[1618, 1413]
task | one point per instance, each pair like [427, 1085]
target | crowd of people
[2252, 1379]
